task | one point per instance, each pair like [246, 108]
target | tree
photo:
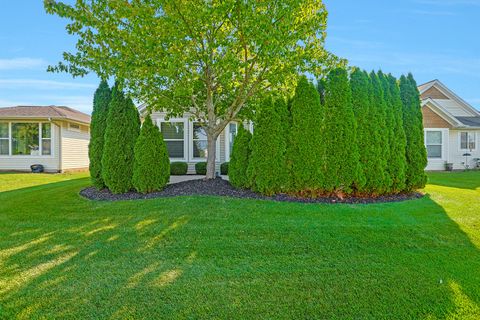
[101, 100]
[382, 148]
[342, 170]
[237, 168]
[267, 167]
[123, 125]
[397, 163]
[305, 150]
[367, 132]
[203, 58]
[151, 170]
[415, 152]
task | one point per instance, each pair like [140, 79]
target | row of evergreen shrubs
[124, 156]
[355, 134]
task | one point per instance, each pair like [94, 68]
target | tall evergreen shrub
[151, 170]
[237, 168]
[267, 169]
[367, 132]
[416, 154]
[382, 147]
[123, 125]
[389, 130]
[98, 124]
[305, 150]
[342, 170]
[397, 163]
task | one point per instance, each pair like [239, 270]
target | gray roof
[53, 112]
[470, 121]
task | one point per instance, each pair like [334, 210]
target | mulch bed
[220, 187]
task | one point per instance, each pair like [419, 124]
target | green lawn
[207, 257]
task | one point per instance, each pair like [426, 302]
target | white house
[452, 128]
[55, 137]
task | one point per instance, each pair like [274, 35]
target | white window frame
[8, 138]
[190, 141]
[185, 128]
[442, 145]
[228, 140]
[468, 134]
[40, 141]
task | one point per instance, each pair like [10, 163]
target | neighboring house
[55, 137]
[187, 142]
[452, 128]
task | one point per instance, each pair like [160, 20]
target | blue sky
[430, 38]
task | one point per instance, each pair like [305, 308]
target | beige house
[55, 137]
[452, 128]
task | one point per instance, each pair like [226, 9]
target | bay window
[434, 144]
[174, 136]
[25, 139]
[467, 141]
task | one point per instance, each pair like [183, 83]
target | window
[4, 139]
[173, 134]
[467, 141]
[433, 141]
[232, 133]
[25, 139]
[199, 141]
[46, 139]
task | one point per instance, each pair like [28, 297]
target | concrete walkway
[188, 177]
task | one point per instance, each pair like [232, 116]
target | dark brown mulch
[220, 187]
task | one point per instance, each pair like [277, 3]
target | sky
[433, 39]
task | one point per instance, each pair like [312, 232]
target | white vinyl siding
[74, 146]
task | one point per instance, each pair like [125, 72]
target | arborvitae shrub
[237, 168]
[397, 163]
[201, 168]
[178, 168]
[342, 170]
[267, 169]
[123, 125]
[151, 170]
[416, 154]
[224, 169]
[101, 101]
[305, 148]
[382, 148]
[367, 134]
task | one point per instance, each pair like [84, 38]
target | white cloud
[22, 63]
[434, 13]
[42, 84]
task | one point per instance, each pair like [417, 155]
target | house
[452, 128]
[55, 137]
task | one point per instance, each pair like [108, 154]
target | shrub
[224, 169]
[151, 170]
[178, 168]
[201, 168]
[415, 152]
[342, 171]
[267, 171]
[237, 168]
[101, 99]
[123, 125]
[305, 147]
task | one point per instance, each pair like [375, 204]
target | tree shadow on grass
[65, 257]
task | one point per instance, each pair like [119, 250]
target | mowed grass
[62, 256]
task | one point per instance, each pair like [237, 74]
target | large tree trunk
[211, 154]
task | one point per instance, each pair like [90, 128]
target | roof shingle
[54, 112]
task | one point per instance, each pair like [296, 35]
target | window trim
[474, 140]
[191, 158]
[185, 128]
[9, 134]
[40, 141]
[442, 145]
[70, 128]
[228, 140]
